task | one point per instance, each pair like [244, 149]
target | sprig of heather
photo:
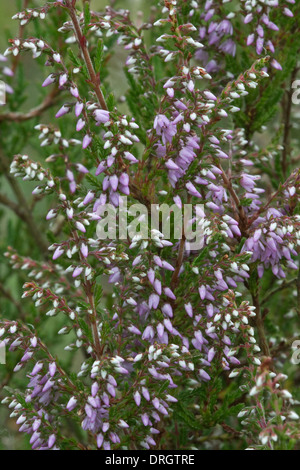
[178, 321]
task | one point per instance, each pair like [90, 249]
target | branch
[13, 206]
[284, 285]
[243, 221]
[20, 117]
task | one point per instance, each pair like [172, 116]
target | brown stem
[13, 206]
[98, 347]
[81, 39]
[284, 285]
[243, 221]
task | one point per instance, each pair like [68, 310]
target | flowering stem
[92, 319]
[285, 285]
[95, 79]
[20, 36]
[98, 347]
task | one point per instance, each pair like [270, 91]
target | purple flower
[63, 110]
[101, 116]
[86, 141]
[164, 128]
[49, 80]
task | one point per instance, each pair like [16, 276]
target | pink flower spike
[113, 180]
[276, 65]
[80, 124]
[63, 110]
[63, 79]
[78, 109]
[84, 250]
[71, 404]
[248, 18]
[80, 227]
[288, 12]
[88, 198]
[57, 253]
[52, 369]
[169, 293]
[81, 168]
[100, 169]
[170, 92]
[49, 80]
[86, 141]
[72, 187]
[124, 179]
[77, 271]
[74, 92]
[51, 214]
[130, 157]
[101, 116]
[51, 441]
[57, 58]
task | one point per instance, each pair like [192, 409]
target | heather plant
[142, 340]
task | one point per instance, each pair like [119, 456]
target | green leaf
[87, 16]
[99, 55]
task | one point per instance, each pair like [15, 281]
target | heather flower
[101, 116]
[164, 128]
